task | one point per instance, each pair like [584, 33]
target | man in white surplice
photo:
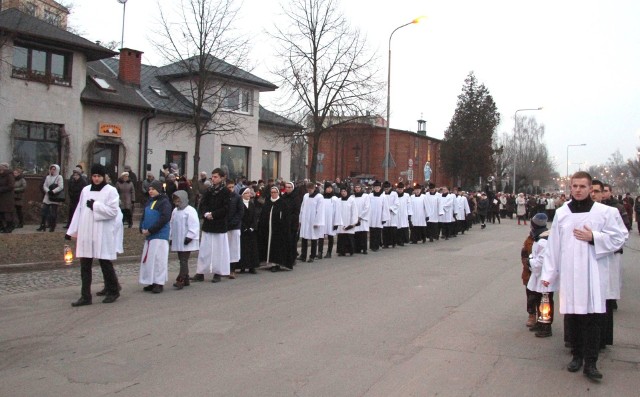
[583, 235]
[311, 222]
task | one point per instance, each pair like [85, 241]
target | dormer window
[159, 91]
[102, 84]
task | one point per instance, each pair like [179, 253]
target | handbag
[56, 197]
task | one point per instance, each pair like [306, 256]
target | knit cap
[157, 186]
[539, 221]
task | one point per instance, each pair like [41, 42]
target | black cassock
[249, 238]
[273, 232]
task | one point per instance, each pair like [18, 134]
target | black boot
[42, 227]
[52, 227]
[81, 302]
[591, 372]
[575, 364]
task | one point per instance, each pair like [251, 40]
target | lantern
[68, 255]
[544, 310]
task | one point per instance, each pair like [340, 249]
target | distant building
[357, 150]
[48, 10]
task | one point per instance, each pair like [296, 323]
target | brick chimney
[130, 65]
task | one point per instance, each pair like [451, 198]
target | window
[102, 83]
[35, 146]
[29, 8]
[234, 161]
[270, 163]
[41, 65]
[52, 17]
[236, 99]
[159, 91]
[179, 159]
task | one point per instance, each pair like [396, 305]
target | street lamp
[386, 141]
[515, 134]
[568, 146]
[124, 9]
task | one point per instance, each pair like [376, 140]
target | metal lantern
[68, 255]
[544, 310]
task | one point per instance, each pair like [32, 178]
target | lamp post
[386, 140]
[124, 9]
[568, 146]
[515, 134]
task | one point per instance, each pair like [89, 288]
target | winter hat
[539, 221]
[124, 174]
[98, 169]
[377, 183]
[4, 166]
[157, 186]
[77, 170]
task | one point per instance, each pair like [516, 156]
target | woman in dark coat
[76, 184]
[273, 231]
[248, 239]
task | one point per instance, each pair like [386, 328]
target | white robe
[404, 210]
[364, 206]
[348, 211]
[392, 204]
[419, 210]
[459, 207]
[446, 208]
[119, 233]
[581, 267]
[536, 260]
[185, 223]
[331, 217]
[312, 217]
[433, 206]
[378, 211]
[234, 245]
[154, 263]
[214, 254]
[96, 230]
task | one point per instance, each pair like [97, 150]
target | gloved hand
[90, 204]
[187, 240]
[409, 218]
[358, 224]
[335, 227]
[348, 227]
[426, 219]
[383, 222]
[67, 237]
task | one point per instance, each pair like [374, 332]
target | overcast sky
[578, 59]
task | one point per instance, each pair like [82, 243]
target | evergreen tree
[467, 148]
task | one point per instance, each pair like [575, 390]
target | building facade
[69, 101]
[357, 151]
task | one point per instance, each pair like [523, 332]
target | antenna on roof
[124, 9]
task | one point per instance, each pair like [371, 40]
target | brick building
[356, 150]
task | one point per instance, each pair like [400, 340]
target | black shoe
[157, 288]
[111, 298]
[301, 258]
[253, 271]
[575, 364]
[81, 302]
[42, 228]
[103, 291]
[319, 257]
[431, 240]
[328, 256]
[591, 372]
[148, 288]
[19, 226]
[274, 269]
[310, 260]
[374, 250]
[216, 278]
[197, 277]
[364, 252]
[413, 242]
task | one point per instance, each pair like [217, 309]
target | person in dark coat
[171, 186]
[234, 226]
[273, 231]
[293, 199]
[76, 184]
[7, 199]
[249, 258]
[483, 209]
[20, 185]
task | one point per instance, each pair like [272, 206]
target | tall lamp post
[515, 134]
[568, 146]
[124, 9]
[387, 158]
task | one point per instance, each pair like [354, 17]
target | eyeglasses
[597, 191]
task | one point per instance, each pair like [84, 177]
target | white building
[67, 100]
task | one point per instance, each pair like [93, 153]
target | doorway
[107, 155]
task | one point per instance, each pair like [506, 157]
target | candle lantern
[68, 255]
[544, 310]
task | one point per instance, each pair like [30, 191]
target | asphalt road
[442, 319]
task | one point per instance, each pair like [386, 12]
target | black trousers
[432, 230]
[418, 233]
[606, 331]
[127, 216]
[375, 238]
[446, 227]
[183, 257]
[389, 236]
[72, 209]
[345, 244]
[329, 245]
[49, 214]
[108, 273]
[304, 249]
[402, 235]
[360, 239]
[584, 335]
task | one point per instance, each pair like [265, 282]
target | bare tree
[205, 54]
[327, 76]
[531, 154]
